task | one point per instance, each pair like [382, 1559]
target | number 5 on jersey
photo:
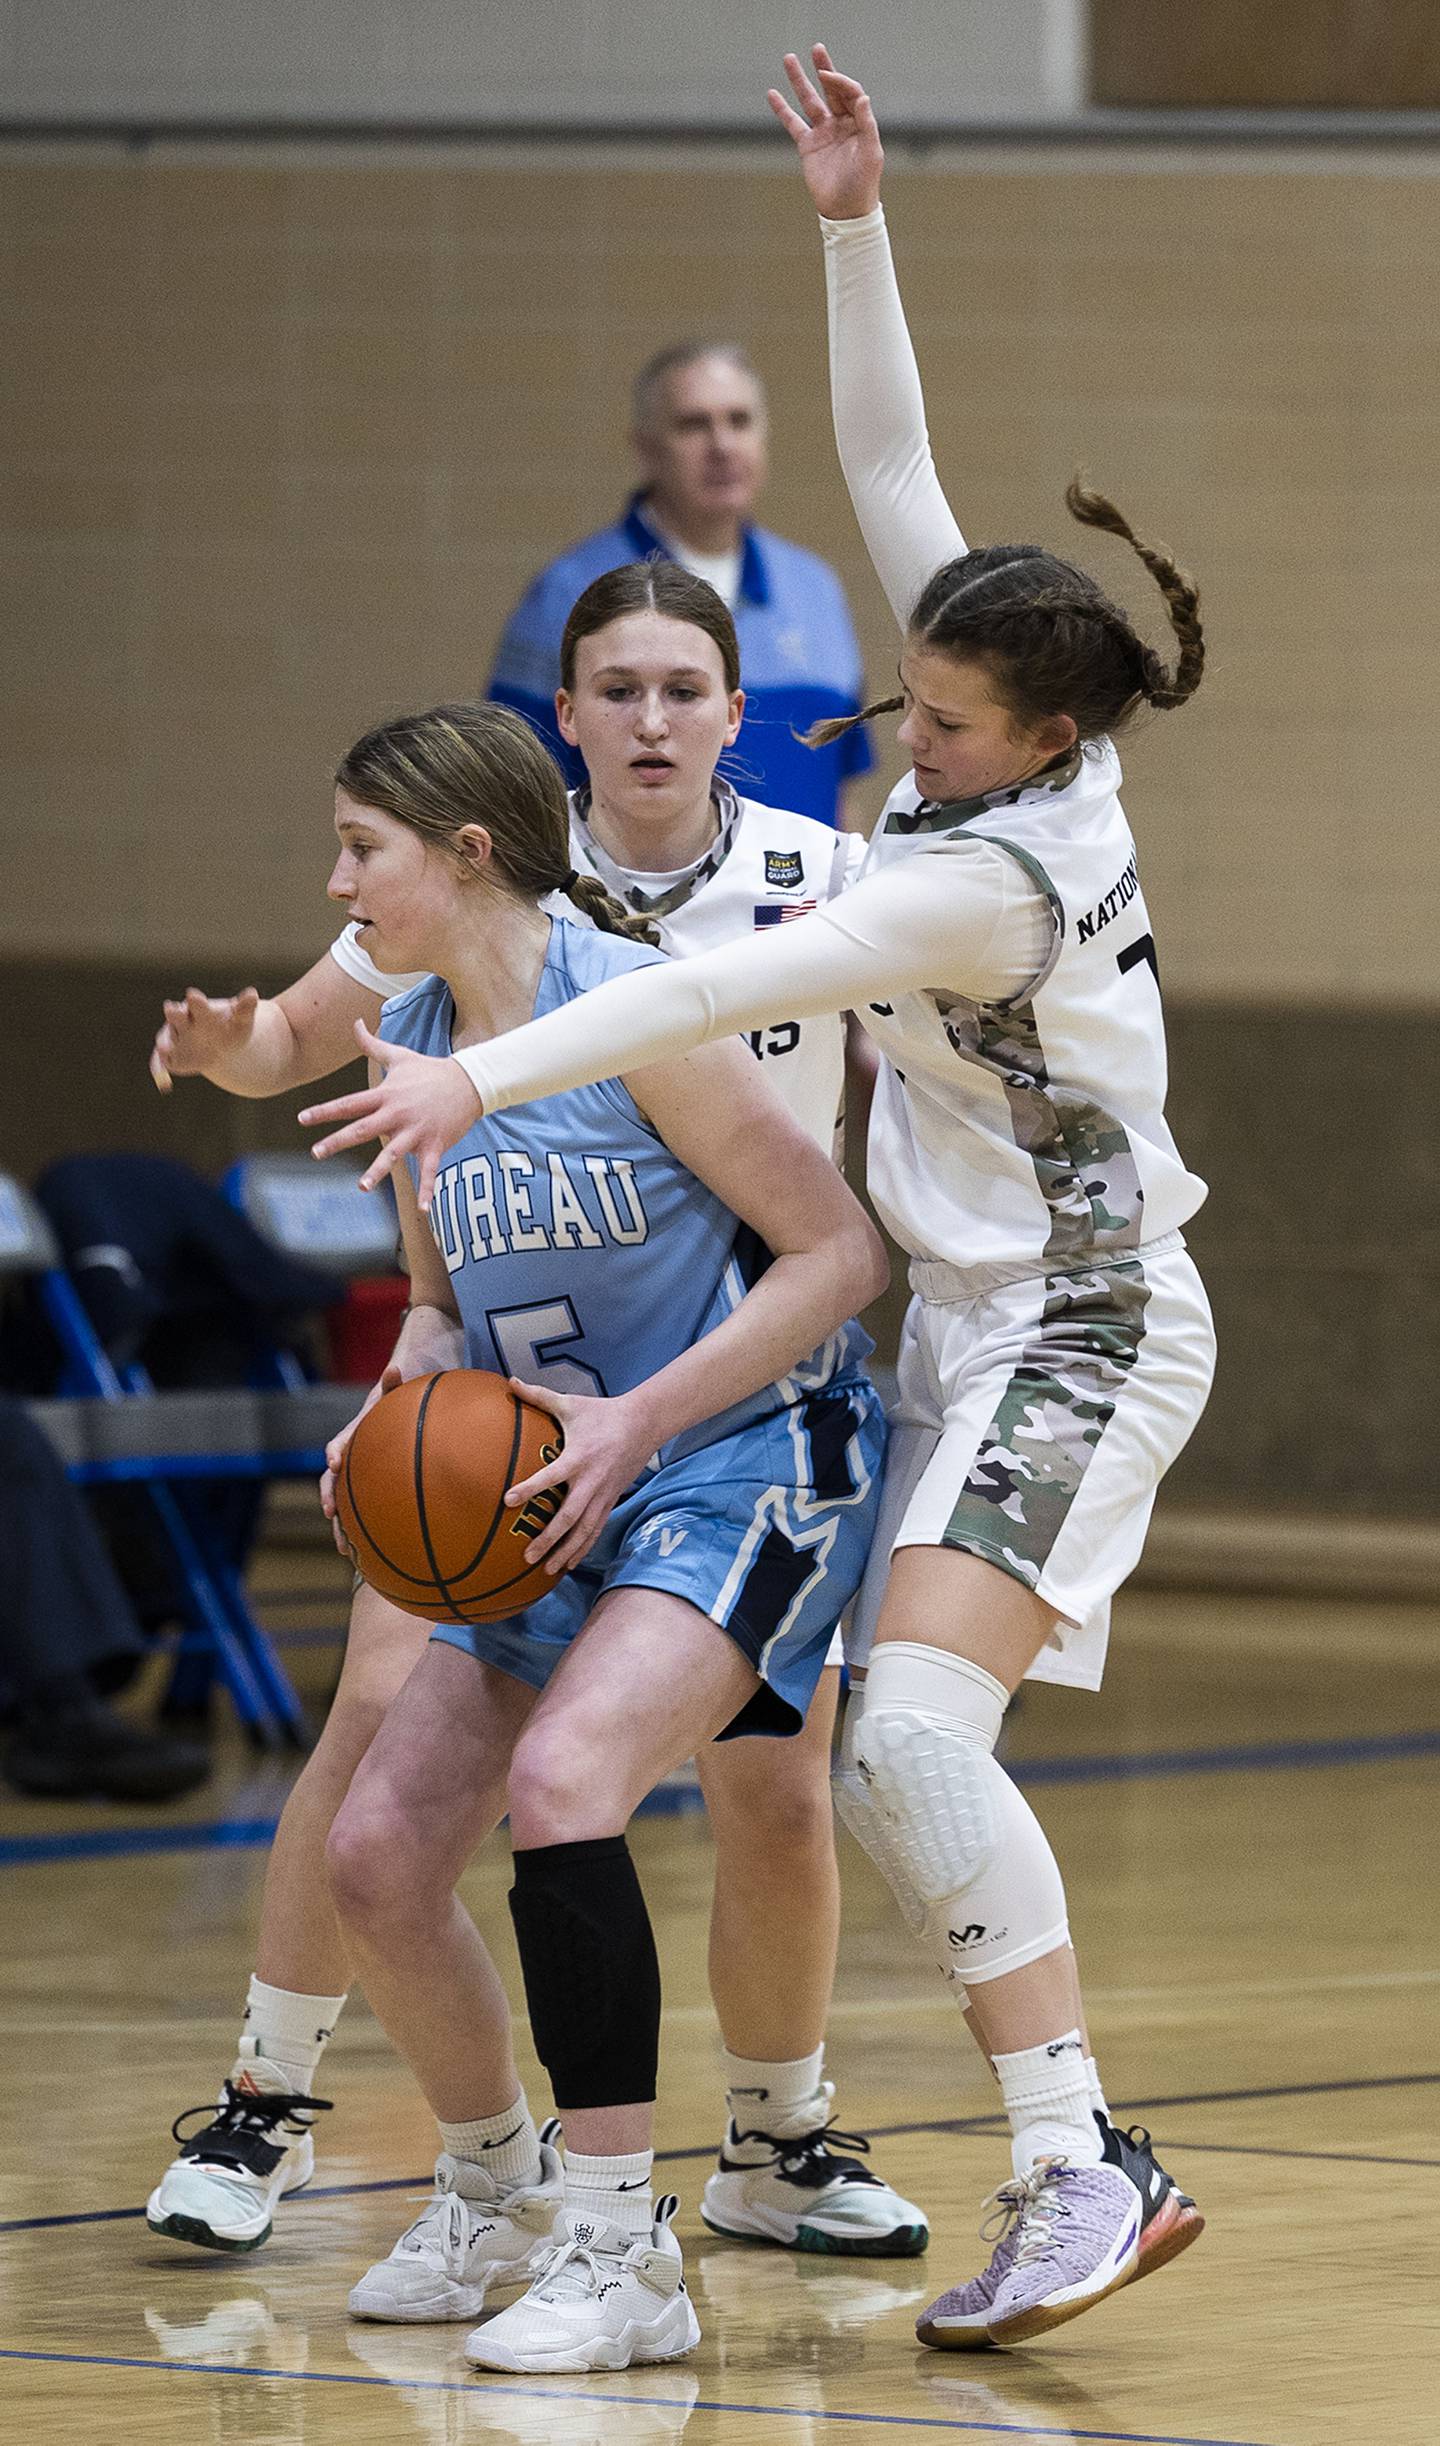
[527, 1339]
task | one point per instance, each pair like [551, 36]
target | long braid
[1159, 686]
[1049, 638]
[605, 912]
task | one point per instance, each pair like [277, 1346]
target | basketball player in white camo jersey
[650, 695]
[1059, 1348]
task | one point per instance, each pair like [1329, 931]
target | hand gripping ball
[421, 1496]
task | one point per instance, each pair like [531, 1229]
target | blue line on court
[121, 1842]
[1285, 2089]
[418, 2182]
[1329, 2157]
[1264, 1758]
[478, 2389]
[958, 2126]
[1261, 1757]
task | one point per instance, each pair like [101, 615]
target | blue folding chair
[112, 1426]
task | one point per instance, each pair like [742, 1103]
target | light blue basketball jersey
[582, 1253]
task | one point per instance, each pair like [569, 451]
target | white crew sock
[1047, 2098]
[507, 2146]
[779, 2099]
[610, 2190]
[1097, 2094]
[289, 2029]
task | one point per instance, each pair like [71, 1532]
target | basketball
[421, 1496]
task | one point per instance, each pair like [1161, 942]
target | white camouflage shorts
[1032, 1426]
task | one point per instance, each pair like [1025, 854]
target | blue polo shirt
[799, 661]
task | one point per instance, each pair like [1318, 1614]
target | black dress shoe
[85, 1750]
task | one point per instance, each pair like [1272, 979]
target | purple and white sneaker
[959, 2322]
[1075, 2239]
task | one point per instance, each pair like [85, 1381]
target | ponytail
[824, 734]
[1047, 635]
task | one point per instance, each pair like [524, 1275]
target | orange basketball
[421, 1496]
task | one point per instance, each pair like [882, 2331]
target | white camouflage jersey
[998, 951]
[1030, 1130]
[1027, 1135]
[766, 867]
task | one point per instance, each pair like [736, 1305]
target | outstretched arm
[876, 399]
[960, 914]
[255, 1048]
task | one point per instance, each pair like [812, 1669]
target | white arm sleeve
[961, 914]
[851, 851]
[879, 412]
[348, 953]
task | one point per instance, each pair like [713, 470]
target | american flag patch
[780, 912]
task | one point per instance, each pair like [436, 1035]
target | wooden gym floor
[1247, 1822]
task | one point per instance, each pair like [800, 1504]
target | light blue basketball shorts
[766, 1531]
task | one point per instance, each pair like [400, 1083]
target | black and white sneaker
[221, 2191]
[795, 2189]
[1169, 2218]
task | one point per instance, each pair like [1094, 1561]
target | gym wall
[1293, 54]
[288, 433]
[551, 65]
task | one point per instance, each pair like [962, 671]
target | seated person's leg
[63, 1613]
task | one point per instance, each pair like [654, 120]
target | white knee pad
[856, 1809]
[960, 1847]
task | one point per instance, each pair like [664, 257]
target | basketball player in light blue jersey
[669, 1264]
[583, 1255]
[651, 690]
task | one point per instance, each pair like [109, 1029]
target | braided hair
[1049, 636]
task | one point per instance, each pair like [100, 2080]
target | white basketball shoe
[794, 2188]
[472, 2233]
[605, 2301]
[221, 2191]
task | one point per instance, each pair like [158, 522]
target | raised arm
[876, 399]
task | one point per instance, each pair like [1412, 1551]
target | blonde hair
[481, 764]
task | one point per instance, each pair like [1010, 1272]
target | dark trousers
[63, 1610]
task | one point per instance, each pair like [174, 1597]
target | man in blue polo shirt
[699, 434]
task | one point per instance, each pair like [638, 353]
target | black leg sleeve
[592, 1980]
